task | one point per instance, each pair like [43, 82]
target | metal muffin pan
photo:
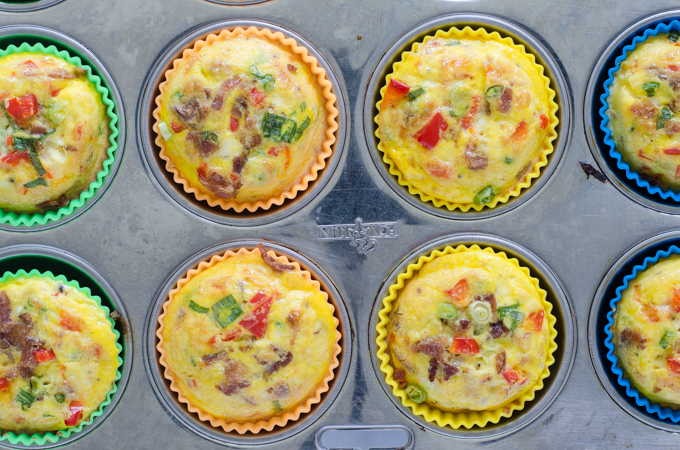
[146, 135]
[61, 262]
[190, 421]
[506, 28]
[592, 118]
[16, 34]
[597, 321]
[566, 335]
[26, 6]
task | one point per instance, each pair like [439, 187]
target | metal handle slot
[364, 438]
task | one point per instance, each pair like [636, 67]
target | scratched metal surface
[135, 236]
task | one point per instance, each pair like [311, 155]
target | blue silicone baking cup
[661, 28]
[632, 392]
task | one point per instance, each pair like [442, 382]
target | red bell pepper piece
[177, 127]
[520, 133]
[672, 151]
[675, 301]
[534, 321]
[70, 322]
[673, 67]
[256, 96]
[429, 136]
[395, 90]
[544, 121]
[257, 298]
[225, 337]
[674, 366]
[466, 120]
[30, 64]
[9, 141]
[233, 124]
[459, 291]
[15, 157]
[76, 414]
[272, 151]
[22, 107]
[256, 321]
[511, 376]
[43, 355]
[464, 345]
[4, 384]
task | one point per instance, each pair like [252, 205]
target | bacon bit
[275, 264]
[449, 371]
[233, 124]
[643, 156]
[644, 109]
[500, 361]
[429, 135]
[511, 376]
[674, 366]
[177, 127]
[202, 170]
[534, 321]
[291, 68]
[630, 336]
[76, 414]
[673, 67]
[466, 120]
[399, 375]
[520, 133]
[459, 292]
[672, 151]
[650, 313]
[5, 308]
[15, 157]
[42, 355]
[393, 338]
[70, 322]
[395, 90]
[544, 121]
[432, 370]
[4, 384]
[464, 345]
[256, 97]
[272, 151]
[431, 346]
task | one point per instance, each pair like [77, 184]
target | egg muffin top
[464, 120]
[249, 338]
[468, 333]
[243, 119]
[645, 331]
[54, 132]
[643, 102]
[59, 356]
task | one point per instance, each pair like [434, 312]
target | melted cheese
[456, 76]
[86, 361]
[235, 69]
[477, 384]
[645, 332]
[652, 148]
[300, 322]
[69, 104]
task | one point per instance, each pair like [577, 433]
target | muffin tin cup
[592, 119]
[237, 2]
[190, 421]
[565, 326]
[506, 28]
[597, 322]
[27, 6]
[32, 34]
[156, 166]
[60, 262]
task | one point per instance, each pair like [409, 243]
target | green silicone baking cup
[53, 437]
[25, 219]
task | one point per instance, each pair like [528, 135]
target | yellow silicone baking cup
[550, 136]
[252, 427]
[448, 418]
[326, 146]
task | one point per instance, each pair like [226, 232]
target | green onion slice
[511, 316]
[288, 131]
[673, 35]
[448, 311]
[303, 126]
[26, 399]
[668, 339]
[198, 308]
[416, 393]
[277, 406]
[494, 91]
[485, 195]
[665, 115]
[650, 88]
[458, 112]
[480, 312]
[59, 398]
[40, 181]
[165, 131]
[226, 311]
[415, 93]
[271, 126]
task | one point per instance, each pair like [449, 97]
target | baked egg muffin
[243, 119]
[468, 332]
[645, 331]
[58, 358]
[54, 132]
[644, 100]
[249, 339]
[465, 120]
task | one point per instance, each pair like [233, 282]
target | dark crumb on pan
[590, 170]
[359, 38]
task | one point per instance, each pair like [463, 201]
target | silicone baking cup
[550, 136]
[53, 437]
[622, 165]
[252, 427]
[652, 408]
[448, 418]
[25, 219]
[326, 146]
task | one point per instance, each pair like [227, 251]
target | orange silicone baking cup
[253, 427]
[326, 146]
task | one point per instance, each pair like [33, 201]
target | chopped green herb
[40, 181]
[192, 361]
[178, 95]
[59, 398]
[511, 316]
[650, 88]
[271, 126]
[303, 106]
[485, 195]
[452, 43]
[665, 115]
[54, 112]
[416, 92]
[632, 129]
[673, 35]
[416, 393]
[277, 406]
[667, 340]
[448, 311]
[508, 160]
[26, 399]
[48, 415]
[301, 129]
[35, 161]
[210, 136]
[278, 324]
[198, 308]
[226, 311]
[267, 80]
[494, 91]
[288, 131]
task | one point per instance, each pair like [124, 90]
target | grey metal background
[134, 236]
